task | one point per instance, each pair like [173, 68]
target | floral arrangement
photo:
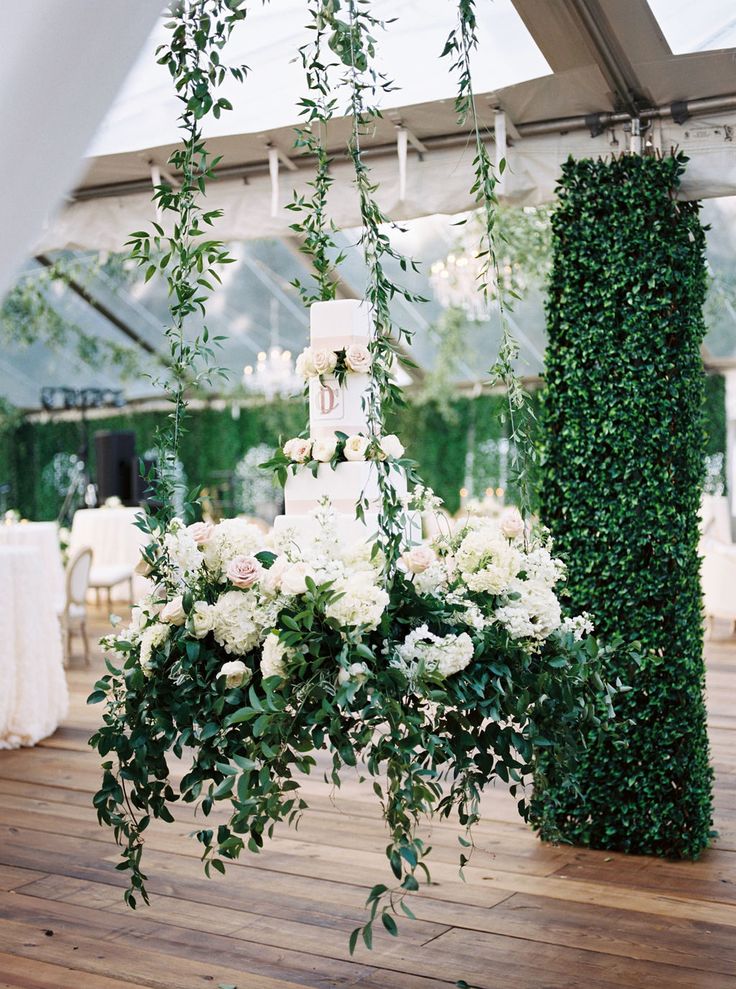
[314, 362]
[256, 653]
[336, 449]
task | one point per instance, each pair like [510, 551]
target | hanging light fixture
[456, 279]
[274, 374]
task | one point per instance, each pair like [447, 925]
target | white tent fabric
[61, 65]
[439, 183]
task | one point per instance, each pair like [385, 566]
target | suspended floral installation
[435, 668]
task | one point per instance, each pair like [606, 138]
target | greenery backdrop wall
[440, 437]
[625, 453]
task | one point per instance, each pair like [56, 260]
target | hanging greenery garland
[436, 668]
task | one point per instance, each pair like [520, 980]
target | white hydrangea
[535, 614]
[239, 620]
[443, 654]
[184, 554]
[152, 638]
[542, 567]
[273, 656]
[363, 602]
[432, 581]
[231, 538]
[579, 625]
[487, 561]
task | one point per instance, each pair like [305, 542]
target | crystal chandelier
[274, 375]
[456, 280]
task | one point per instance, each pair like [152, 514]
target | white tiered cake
[335, 407]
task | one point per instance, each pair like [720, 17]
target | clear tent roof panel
[709, 25]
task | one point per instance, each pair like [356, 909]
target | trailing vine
[460, 45]
[184, 253]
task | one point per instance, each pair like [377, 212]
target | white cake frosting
[337, 408]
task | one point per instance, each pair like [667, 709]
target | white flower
[487, 562]
[294, 578]
[173, 612]
[443, 654]
[419, 558]
[236, 673]
[324, 360]
[433, 580]
[535, 614]
[273, 656]
[358, 358]
[183, 552]
[324, 449]
[151, 638]
[357, 672]
[235, 624]
[305, 365]
[391, 446]
[201, 619]
[271, 579]
[579, 625]
[231, 538]
[511, 523]
[541, 566]
[355, 448]
[362, 603]
[298, 449]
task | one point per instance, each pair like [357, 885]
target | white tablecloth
[114, 540]
[33, 690]
[44, 537]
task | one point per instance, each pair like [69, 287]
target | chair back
[77, 576]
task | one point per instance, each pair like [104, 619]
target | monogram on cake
[337, 364]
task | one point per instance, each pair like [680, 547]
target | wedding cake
[337, 365]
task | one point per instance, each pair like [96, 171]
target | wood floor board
[530, 916]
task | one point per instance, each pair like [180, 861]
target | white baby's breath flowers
[356, 448]
[236, 674]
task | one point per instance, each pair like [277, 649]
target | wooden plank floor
[528, 917]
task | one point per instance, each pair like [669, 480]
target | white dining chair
[74, 613]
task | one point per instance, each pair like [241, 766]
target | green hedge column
[624, 455]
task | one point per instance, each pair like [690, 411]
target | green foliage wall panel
[624, 448]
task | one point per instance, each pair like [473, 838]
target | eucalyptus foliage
[621, 484]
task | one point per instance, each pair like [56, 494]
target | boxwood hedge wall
[621, 483]
[437, 439]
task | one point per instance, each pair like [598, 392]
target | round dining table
[33, 690]
[44, 537]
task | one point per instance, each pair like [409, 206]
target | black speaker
[117, 467]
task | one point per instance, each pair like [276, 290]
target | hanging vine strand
[460, 45]
[187, 256]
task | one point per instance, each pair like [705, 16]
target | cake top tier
[337, 324]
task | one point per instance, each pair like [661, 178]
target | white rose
[511, 522]
[273, 655]
[391, 446]
[236, 673]
[271, 579]
[419, 558]
[324, 449]
[305, 365]
[143, 568]
[358, 672]
[358, 359]
[201, 619]
[298, 449]
[294, 578]
[355, 448]
[173, 612]
[324, 361]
